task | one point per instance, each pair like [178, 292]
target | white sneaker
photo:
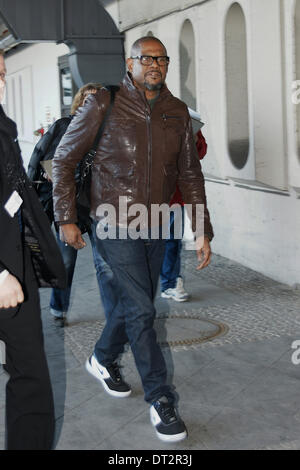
[57, 314]
[110, 377]
[180, 289]
[177, 293]
[167, 422]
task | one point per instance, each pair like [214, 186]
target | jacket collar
[132, 89]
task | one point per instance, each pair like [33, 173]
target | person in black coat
[45, 150]
[29, 259]
[46, 146]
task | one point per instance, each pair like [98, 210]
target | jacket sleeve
[2, 267]
[76, 142]
[191, 180]
[39, 151]
[201, 145]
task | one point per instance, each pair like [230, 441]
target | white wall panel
[35, 70]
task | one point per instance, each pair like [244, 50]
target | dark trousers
[171, 265]
[29, 400]
[60, 298]
[136, 265]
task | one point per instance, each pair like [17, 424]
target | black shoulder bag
[83, 174]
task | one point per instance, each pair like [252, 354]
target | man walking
[29, 258]
[147, 147]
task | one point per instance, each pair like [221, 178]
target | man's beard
[153, 87]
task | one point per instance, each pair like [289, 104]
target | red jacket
[202, 149]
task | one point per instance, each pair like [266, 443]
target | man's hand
[47, 177]
[11, 293]
[203, 252]
[71, 235]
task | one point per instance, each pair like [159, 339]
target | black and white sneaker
[110, 377]
[168, 424]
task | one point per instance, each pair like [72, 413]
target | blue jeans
[136, 265]
[171, 266]
[60, 298]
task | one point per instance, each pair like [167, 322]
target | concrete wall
[267, 71]
[33, 94]
[258, 229]
[292, 73]
[255, 210]
[134, 12]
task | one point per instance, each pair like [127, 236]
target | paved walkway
[229, 355]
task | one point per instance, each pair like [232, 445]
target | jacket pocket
[172, 123]
[173, 128]
[114, 179]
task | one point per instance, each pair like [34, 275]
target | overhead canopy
[96, 45]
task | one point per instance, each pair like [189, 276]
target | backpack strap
[87, 161]
[112, 89]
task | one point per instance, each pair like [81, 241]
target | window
[236, 86]
[67, 85]
[188, 65]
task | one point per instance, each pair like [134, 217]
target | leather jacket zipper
[166, 116]
[149, 156]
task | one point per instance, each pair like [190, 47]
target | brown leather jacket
[141, 155]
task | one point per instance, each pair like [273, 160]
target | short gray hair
[139, 42]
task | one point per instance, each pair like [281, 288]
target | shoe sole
[175, 438]
[112, 393]
[165, 437]
[166, 296]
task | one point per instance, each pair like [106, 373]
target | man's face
[148, 77]
[2, 77]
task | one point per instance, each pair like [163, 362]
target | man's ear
[129, 63]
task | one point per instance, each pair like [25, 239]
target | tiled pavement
[239, 390]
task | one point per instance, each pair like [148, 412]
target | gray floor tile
[140, 434]
[88, 425]
[240, 391]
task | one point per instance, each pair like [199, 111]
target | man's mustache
[153, 71]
